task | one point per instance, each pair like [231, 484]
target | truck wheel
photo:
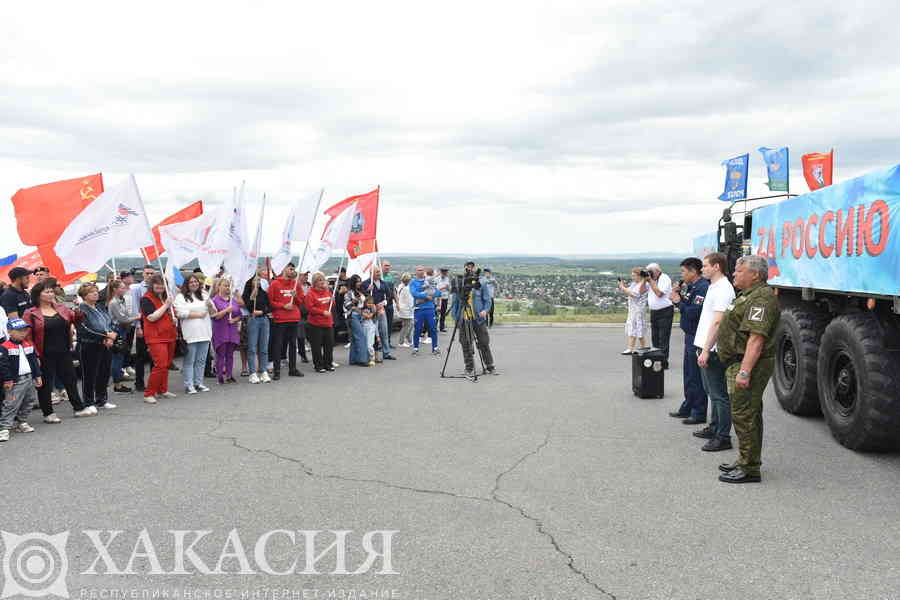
[796, 360]
[858, 380]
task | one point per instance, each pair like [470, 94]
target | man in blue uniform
[688, 297]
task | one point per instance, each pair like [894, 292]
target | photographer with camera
[472, 290]
[662, 311]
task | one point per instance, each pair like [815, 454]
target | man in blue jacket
[688, 297]
[482, 299]
[423, 294]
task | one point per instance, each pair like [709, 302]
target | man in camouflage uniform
[746, 346]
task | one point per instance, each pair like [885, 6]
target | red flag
[30, 261]
[44, 211]
[55, 264]
[355, 248]
[818, 169]
[365, 221]
[185, 214]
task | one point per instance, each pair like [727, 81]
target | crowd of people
[729, 348]
[106, 338]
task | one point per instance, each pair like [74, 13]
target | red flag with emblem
[364, 226]
[185, 214]
[818, 169]
[43, 212]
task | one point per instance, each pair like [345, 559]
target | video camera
[644, 273]
[465, 283]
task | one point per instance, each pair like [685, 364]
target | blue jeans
[194, 361]
[258, 343]
[715, 385]
[694, 404]
[118, 359]
[383, 333]
[425, 318]
[359, 352]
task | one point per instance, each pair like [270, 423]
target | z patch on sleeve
[757, 313]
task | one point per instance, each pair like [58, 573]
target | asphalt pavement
[548, 481]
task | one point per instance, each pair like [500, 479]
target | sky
[503, 127]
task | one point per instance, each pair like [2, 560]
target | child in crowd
[370, 326]
[20, 375]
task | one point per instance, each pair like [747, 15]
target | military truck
[834, 260]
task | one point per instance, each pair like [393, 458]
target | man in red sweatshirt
[286, 297]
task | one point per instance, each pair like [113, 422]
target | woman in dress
[225, 330]
[635, 325]
[192, 310]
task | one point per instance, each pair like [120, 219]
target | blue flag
[777, 165]
[8, 260]
[735, 178]
[178, 277]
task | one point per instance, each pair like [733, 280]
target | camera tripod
[467, 317]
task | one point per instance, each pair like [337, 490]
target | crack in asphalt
[494, 494]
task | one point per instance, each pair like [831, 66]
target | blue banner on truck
[837, 238]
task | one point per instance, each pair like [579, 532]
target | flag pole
[155, 245]
[308, 235]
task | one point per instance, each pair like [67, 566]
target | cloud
[585, 127]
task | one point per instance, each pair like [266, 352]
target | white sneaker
[130, 371]
[148, 400]
[426, 340]
[254, 378]
[63, 396]
[335, 364]
[93, 409]
[202, 388]
[24, 428]
[52, 419]
[168, 395]
[84, 412]
[347, 345]
[264, 378]
[190, 390]
[436, 351]
[109, 405]
[54, 397]
[415, 351]
[4, 435]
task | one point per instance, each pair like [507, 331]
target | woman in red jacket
[51, 333]
[160, 335]
[320, 323]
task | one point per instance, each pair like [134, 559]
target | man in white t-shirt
[662, 311]
[719, 297]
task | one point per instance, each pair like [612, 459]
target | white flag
[113, 223]
[252, 259]
[217, 240]
[186, 241]
[238, 243]
[336, 235]
[362, 265]
[298, 227]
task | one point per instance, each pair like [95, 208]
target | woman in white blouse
[192, 310]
